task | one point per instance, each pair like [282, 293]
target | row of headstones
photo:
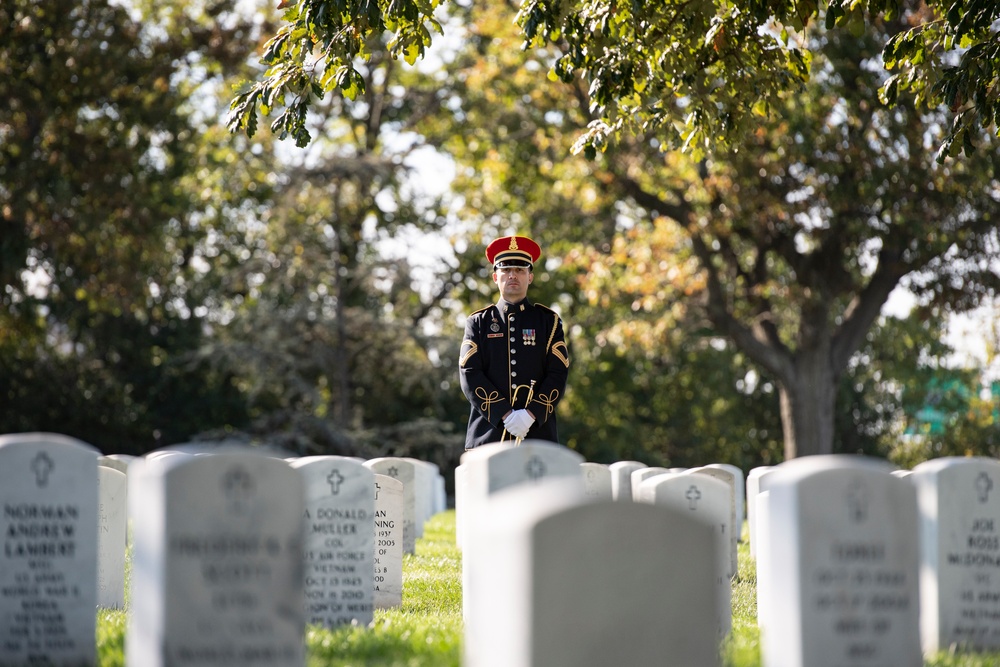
[864, 564]
[566, 562]
[234, 551]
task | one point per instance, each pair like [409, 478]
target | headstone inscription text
[339, 537]
[48, 565]
[388, 585]
[843, 563]
[405, 471]
[217, 577]
[959, 501]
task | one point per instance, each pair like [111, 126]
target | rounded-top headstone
[48, 562]
[217, 573]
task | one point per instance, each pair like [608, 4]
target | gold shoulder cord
[555, 325]
[560, 350]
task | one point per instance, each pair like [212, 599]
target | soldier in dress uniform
[514, 361]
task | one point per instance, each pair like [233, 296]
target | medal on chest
[528, 336]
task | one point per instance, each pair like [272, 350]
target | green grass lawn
[427, 630]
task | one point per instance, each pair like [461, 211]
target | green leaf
[856, 24]
[833, 13]
[889, 90]
[412, 53]
[243, 113]
[275, 47]
[351, 90]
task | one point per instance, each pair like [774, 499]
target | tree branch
[866, 306]
[759, 340]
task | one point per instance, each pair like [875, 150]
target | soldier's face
[513, 282]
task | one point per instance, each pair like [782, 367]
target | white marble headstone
[217, 570]
[160, 460]
[440, 492]
[388, 586]
[706, 499]
[726, 476]
[48, 562]
[638, 476]
[753, 482]
[124, 458]
[739, 494]
[111, 545]
[339, 540]
[842, 565]
[762, 564]
[621, 479]
[567, 583]
[423, 493]
[596, 480]
[491, 469]
[959, 499]
[118, 464]
[405, 471]
[460, 486]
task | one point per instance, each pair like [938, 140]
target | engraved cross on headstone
[534, 468]
[983, 486]
[42, 465]
[693, 495]
[238, 485]
[335, 478]
[378, 487]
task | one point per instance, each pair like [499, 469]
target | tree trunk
[808, 399]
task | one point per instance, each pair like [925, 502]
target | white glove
[518, 422]
[510, 423]
[515, 426]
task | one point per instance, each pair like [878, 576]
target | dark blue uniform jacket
[505, 347]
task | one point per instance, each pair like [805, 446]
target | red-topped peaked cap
[513, 251]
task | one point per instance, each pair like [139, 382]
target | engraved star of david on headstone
[535, 469]
[983, 486]
[857, 501]
[238, 486]
[335, 478]
[693, 495]
[393, 472]
[42, 466]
